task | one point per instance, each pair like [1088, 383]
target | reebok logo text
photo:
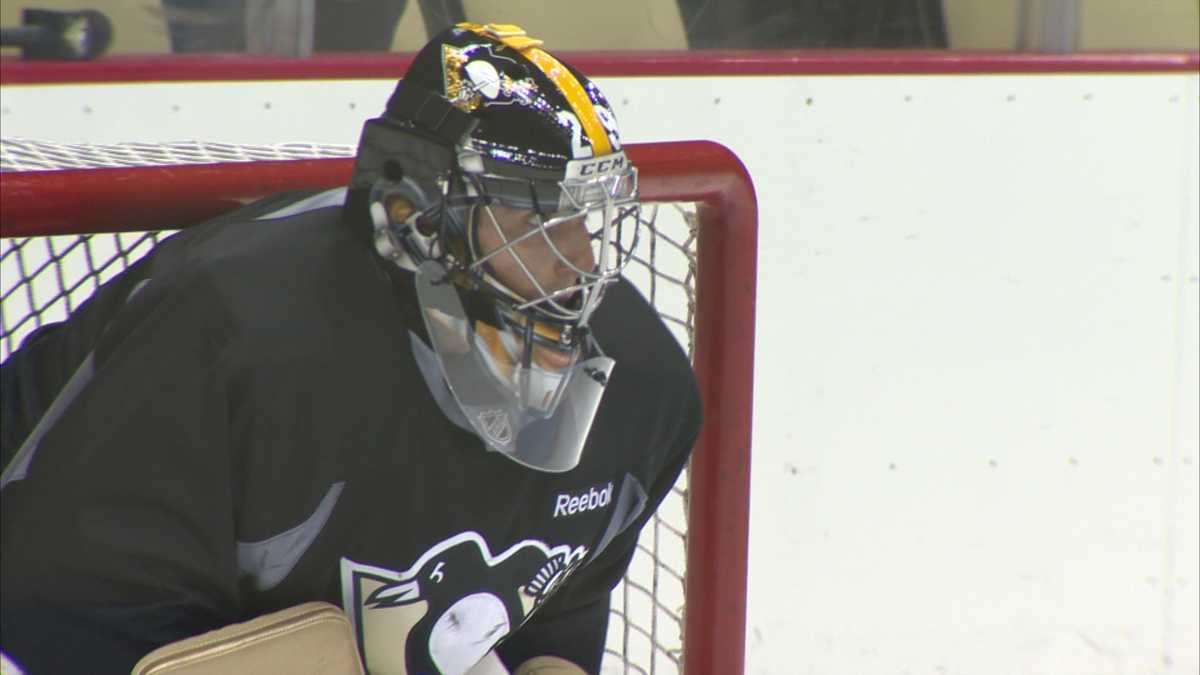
[569, 505]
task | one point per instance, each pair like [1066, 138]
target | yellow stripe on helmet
[577, 98]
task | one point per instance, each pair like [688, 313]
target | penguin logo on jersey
[449, 608]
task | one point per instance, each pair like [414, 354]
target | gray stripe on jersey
[268, 562]
[630, 503]
[19, 466]
[333, 197]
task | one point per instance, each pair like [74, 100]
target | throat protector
[529, 401]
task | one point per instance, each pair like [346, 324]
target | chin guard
[536, 410]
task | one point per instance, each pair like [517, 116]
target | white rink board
[976, 427]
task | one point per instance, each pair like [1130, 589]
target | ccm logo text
[602, 166]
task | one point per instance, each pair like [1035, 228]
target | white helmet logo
[484, 77]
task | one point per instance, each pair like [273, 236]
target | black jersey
[239, 423]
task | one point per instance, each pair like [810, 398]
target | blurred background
[302, 27]
[976, 443]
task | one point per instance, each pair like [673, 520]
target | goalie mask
[497, 175]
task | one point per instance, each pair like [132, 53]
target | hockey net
[74, 216]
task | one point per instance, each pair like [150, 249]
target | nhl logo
[495, 425]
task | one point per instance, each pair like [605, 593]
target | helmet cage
[609, 209]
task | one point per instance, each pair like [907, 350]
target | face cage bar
[545, 190]
[591, 282]
[72, 201]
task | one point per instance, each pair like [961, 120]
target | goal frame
[88, 201]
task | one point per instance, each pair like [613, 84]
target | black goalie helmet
[497, 174]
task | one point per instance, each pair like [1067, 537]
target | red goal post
[139, 198]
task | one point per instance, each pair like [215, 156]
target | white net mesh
[43, 279]
[18, 154]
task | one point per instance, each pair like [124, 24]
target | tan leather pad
[548, 665]
[307, 639]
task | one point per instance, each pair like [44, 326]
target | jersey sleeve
[119, 534]
[32, 376]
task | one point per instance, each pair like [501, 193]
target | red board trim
[334, 66]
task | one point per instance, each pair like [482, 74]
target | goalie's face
[550, 247]
[531, 258]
